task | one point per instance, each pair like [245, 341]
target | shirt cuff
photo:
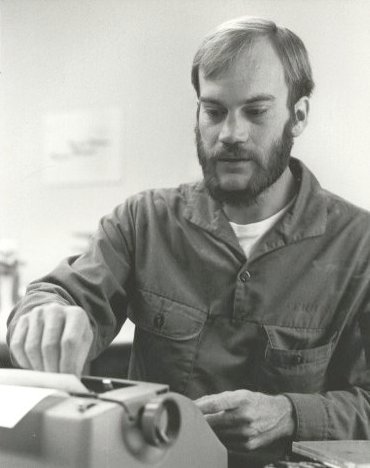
[311, 416]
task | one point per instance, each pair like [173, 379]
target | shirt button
[158, 321]
[298, 359]
[244, 276]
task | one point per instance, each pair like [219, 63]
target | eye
[214, 113]
[255, 111]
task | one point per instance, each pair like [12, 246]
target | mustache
[227, 152]
[234, 153]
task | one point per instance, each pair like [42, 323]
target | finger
[254, 442]
[260, 441]
[233, 418]
[217, 403]
[240, 444]
[17, 343]
[237, 433]
[53, 330]
[236, 445]
[84, 351]
[215, 420]
[222, 401]
[232, 441]
[75, 343]
[32, 344]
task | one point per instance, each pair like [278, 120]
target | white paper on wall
[83, 146]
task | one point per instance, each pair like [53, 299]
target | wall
[58, 55]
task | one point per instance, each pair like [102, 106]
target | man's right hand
[52, 338]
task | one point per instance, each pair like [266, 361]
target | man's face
[243, 126]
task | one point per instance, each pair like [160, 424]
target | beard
[277, 160]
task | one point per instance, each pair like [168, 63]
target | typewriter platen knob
[160, 421]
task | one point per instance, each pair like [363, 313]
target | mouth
[233, 160]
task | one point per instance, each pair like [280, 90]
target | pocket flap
[293, 346]
[288, 358]
[165, 317]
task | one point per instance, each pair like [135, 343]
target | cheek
[264, 137]
[209, 134]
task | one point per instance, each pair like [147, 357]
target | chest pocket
[166, 339]
[295, 359]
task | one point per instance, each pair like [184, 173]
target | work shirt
[248, 235]
[293, 318]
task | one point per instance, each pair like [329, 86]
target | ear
[300, 116]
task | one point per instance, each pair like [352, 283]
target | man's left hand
[245, 420]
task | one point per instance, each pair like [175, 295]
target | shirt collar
[206, 213]
[307, 217]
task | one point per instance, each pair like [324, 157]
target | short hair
[221, 48]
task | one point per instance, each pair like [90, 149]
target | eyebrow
[251, 100]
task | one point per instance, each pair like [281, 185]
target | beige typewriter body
[114, 423]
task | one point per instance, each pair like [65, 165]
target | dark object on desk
[260, 457]
[336, 453]
[113, 362]
[291, 464]
[100, 423]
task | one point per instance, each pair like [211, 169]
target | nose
[235, 129]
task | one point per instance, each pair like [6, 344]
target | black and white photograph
[184, 233]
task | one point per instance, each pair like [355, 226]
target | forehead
[256, 70]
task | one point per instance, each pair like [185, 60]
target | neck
[268, 203]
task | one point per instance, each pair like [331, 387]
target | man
[249, 290]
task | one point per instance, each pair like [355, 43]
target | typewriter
[97, 422]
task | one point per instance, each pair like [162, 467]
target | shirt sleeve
[344, 411]
[98, 280]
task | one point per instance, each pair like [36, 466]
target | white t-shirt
[249, 234]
